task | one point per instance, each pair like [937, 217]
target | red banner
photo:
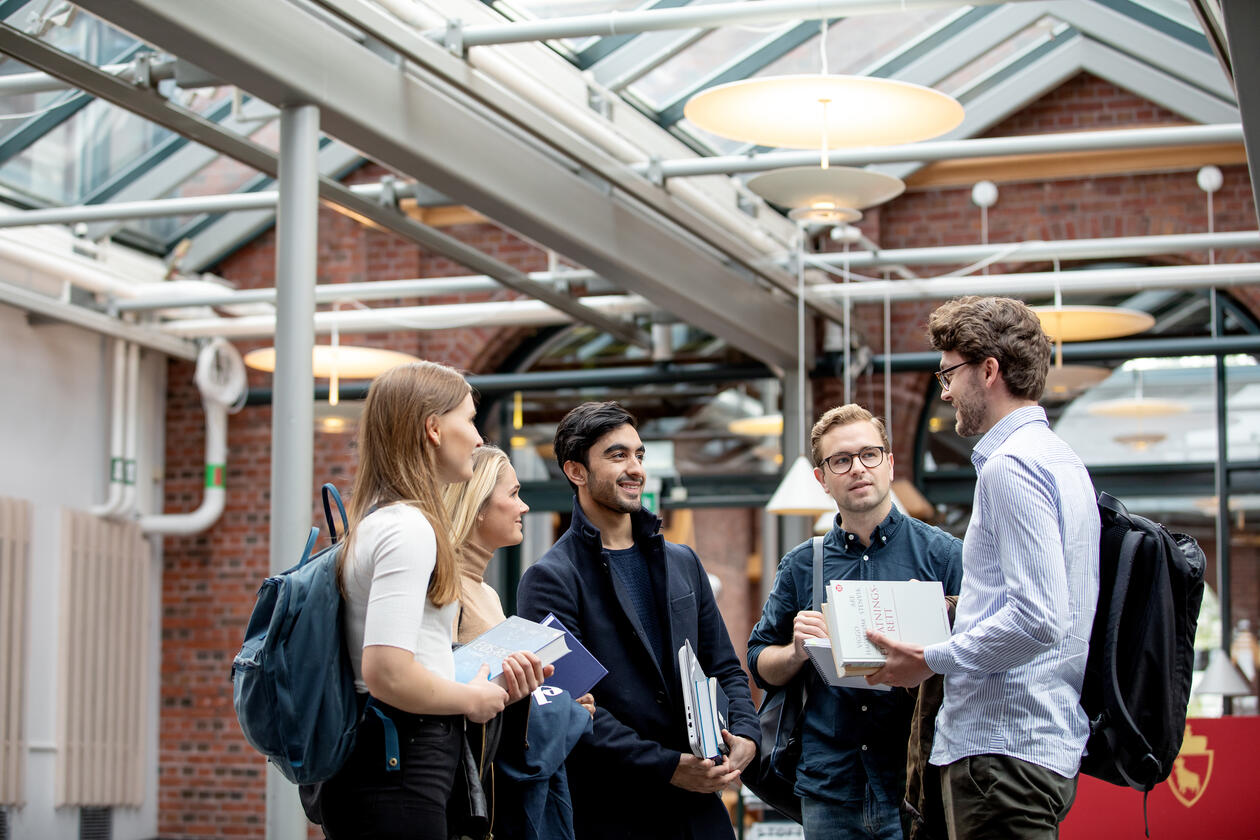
[1212, 793]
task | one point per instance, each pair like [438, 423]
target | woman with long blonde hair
[487, 513]
[400, 579]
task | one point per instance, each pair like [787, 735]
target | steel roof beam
[144, 103]
[456, 132]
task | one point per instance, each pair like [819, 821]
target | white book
[908, 611]
[819, 651]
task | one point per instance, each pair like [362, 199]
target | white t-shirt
[386, 582]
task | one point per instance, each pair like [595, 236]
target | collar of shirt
[883, 532]
[1003, 429]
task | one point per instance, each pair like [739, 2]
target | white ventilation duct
[220, 377]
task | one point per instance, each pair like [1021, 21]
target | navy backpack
[292, 683]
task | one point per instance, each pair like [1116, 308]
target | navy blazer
[619, 773]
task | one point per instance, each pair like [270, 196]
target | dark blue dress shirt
[852, 736]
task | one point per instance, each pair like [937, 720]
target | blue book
[579, 671]
[504, 639]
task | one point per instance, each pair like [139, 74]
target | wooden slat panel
[105, 624]
[14, 561]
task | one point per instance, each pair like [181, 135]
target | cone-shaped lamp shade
[1222, 677]
[800, 494]
[815, 111]
[836, 186]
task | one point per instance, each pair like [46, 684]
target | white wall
[54, 442]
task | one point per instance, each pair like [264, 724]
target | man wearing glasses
[1010, 734]
[852, 773]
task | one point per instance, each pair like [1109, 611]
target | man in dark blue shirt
[851, 777]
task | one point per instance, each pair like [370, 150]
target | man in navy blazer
[633, 599]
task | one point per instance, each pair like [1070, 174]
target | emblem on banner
[1192, 769]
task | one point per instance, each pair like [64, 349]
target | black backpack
[1141, 651]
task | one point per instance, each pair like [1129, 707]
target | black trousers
[367, 799]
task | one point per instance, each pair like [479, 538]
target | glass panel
[1178, 11]
[223, 175]
[82, 36]
[701, 60]
[1177, 397]
[858, 44]
[720, 145]
[91, 147]
[1026, 39]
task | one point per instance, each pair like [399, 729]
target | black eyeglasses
[943, 376]
[840, 463]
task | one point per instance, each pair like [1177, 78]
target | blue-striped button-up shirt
[1014, 664]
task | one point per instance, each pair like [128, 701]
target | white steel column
[292, 409]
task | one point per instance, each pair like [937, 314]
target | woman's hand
[485, 699]
[587, 702]
[523, 672]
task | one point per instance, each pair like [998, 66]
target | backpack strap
[1124, 738]
[331, 497]
[392, 760]
[818, 573]
[310, 545]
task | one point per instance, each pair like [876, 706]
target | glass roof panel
[685, 70]
[856, 44]
[223, 175]
[1031, 37]
[720, 145]
[1178, 11]
[82, 36]
[91, 147]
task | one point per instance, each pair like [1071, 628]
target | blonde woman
[486, 514]
[400, 579]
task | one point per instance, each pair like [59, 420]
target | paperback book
[908, 611]
[819, 651]
[505, 638]
[578, 672]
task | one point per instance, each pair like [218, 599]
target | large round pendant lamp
[823, 111]
[343, 360]
[1092, 323]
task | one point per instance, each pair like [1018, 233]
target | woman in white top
[400, 579]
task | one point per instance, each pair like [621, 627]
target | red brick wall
[211, 783]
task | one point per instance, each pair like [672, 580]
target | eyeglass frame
[943, 375]
[826, 462]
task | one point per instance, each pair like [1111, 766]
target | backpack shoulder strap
[331, 497]
[818, 573]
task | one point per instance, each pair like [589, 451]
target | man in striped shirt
[1011, 732]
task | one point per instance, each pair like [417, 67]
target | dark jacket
[532, 799]
[619, 774]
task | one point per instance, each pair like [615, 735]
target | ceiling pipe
[19, 84]
[687, 17]
[160, 207]
[1035, 251]
[220, 377]
[1046, 282]
[498, 384]
[423, 287]
[116, 414]
[933, 150]
[514, 313]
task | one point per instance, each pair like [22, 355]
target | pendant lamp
[1092, 323]
[823, 111]
[335, 362]
[799, 493]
